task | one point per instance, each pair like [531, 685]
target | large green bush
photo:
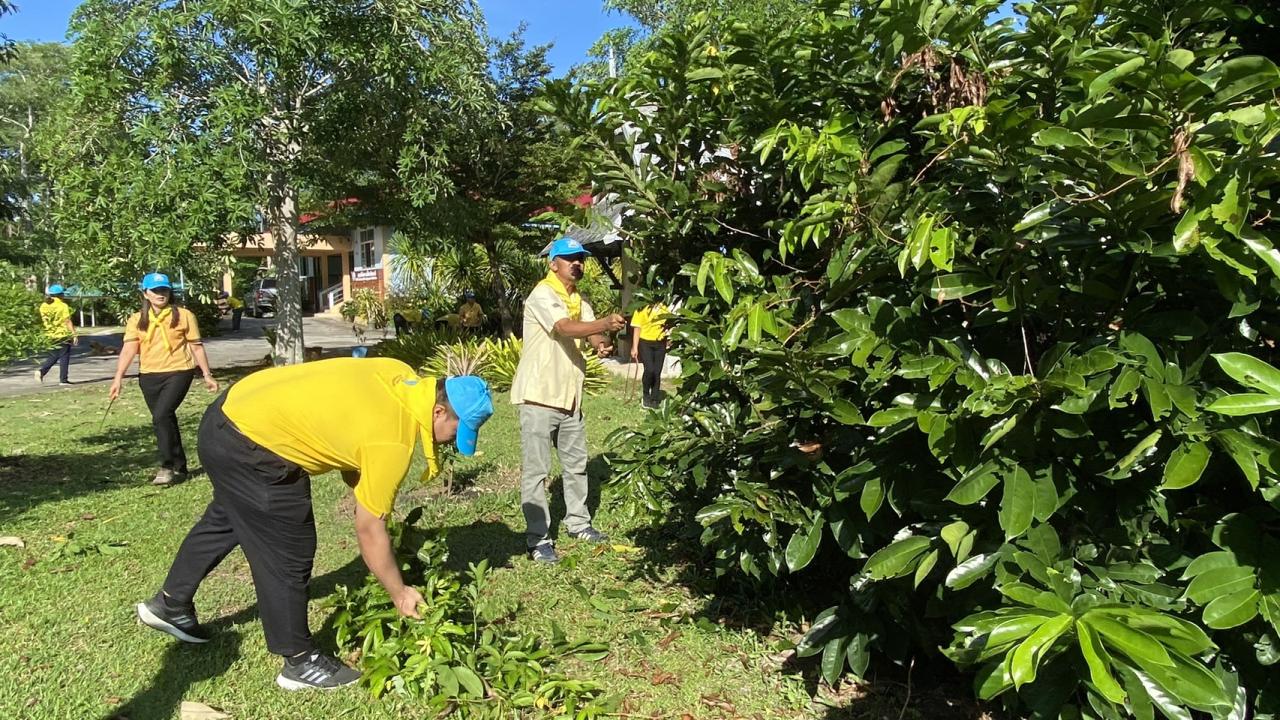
[964, 301]
[21, 332]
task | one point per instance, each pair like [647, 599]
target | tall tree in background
[190, 120]
[31, 83]
[504, 165]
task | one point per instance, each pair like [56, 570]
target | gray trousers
[540, 428]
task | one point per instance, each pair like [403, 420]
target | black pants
[652, 354]
[262, 503]
[164, 392]
[236, 314]
[60, 356]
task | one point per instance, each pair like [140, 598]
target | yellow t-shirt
[55, 315]
[471, 315]
[652, 322]
[340, 414]
[164, 347]
[552, 368]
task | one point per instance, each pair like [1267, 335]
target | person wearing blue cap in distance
[55, 315]
[261, 441]
[548, 390]
[166, 340]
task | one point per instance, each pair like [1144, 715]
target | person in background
[237, 311]
[261, 442]
[470, 314]
[649, 345]
[55, 314]
[166, 340]
[222, 304]
[547, 389]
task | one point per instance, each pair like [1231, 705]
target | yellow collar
[417, 395]
[154, 321]
[572, 303]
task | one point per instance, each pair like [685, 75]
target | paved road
[244, 348]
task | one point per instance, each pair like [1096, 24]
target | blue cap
[151, 281]
[469, 397]
[54, 289]
[359, 351]
[566, 246]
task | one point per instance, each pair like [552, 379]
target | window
[368, 257]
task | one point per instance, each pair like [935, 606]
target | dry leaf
[29, 563]
[11, 541]
[200, 711]
[88, 516]
[670, 638]
[663, 678]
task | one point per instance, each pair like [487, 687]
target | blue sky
[573, 25]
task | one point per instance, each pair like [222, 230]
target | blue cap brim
[466, 439]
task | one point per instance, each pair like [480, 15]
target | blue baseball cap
[469, 397]
[566, 246]
[54, 289]
[151, 281]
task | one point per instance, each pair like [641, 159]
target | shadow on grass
[86, 457]
[184, 664]
[492, 541]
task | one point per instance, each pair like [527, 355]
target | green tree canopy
[192, 120]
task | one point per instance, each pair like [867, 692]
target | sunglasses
[572, 258]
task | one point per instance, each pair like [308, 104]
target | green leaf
[872, 497]
[1018, 503]
[1263, 248]
[957, 285]
[804, 545]
[896, 559]
[703, 74]
[1034, 216]
[970, 571]
[974, 485]
[1099, 662]
[1138, 645]
[833, 654]
[1220, 581]
[469, 680]
[1103, 82]
[1059, 137]
[952, 534]
[1232, 610]
[1186, 464]
[1169, 705]
[448, 680]
[1145, 447]
[925, 567]
[846, 412]
[998, 430]
[1026, 658]
[1270, 607]
[1245, 404]
[1250, 371]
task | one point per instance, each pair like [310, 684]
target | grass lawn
[99, 538]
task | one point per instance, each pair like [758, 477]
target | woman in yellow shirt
[166, 340]
[649, 346]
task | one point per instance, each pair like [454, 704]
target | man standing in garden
[56, 316]
[261, 442]
[471, 315]
[548, 390]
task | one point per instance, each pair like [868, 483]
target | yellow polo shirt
[155, 354]
[55, 315]
[651, 321]
[471, 315]
[338, 414]
[552, 369]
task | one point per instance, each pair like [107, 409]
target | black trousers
[262, 503]
[652, 354]
[164, 392]
[236, 314]
[60, 356]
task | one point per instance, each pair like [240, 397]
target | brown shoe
[164, 476]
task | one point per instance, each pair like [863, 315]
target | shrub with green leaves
[23, 333]
[462, 655]
[969, 307]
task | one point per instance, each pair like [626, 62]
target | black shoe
[589, 534]
[163, 614]
[544, 552]
[315, 671]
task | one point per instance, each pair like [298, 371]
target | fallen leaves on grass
[663, 678]
[665, 642]
[11, 541]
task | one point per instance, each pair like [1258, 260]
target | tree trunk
[630, 280]
[282, 215]
[498, 286]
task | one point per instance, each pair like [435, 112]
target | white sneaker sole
[293, 685]
[154, 622]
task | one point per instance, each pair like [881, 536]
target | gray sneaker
[544, 552]
[39, 377]
[315, 671]
[589, 534]
[164, 476]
